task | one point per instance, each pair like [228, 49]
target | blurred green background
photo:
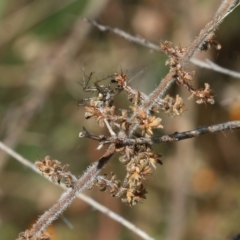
[44, 45]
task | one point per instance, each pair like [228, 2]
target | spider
[105, 93]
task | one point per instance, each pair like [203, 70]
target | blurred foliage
[43, 47]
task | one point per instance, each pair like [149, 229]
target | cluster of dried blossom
[27, 235]
[138, 158]
[56, 172]
[183, 77]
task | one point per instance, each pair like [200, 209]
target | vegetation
[54, 68]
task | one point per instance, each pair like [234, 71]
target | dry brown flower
[147, 123]
[55, 171]
[29, 236]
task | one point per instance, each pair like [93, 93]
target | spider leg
[85, 82]
[80, 102]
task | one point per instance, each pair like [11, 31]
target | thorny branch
[76, 186]
[81, 196]
[226, 7]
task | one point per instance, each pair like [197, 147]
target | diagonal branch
[81, 196]
[67, 197]
[225, 8]
[136, 39]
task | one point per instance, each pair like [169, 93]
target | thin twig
[116, 217]
[210, 65]
[174, 137]
[136, 39]
[197, 132]
[109, 128]
[18, 157]
[144, 42]
[81, 196]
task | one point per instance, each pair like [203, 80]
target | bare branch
[18, 157]
[116, 217]
[127, 36]
[175, 137]
[213, 66]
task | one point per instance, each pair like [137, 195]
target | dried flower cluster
[55, 171]
[138, 167]
[137, 156]
[173, 106]
[27, 235]
[131, 129]
[185, 78]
